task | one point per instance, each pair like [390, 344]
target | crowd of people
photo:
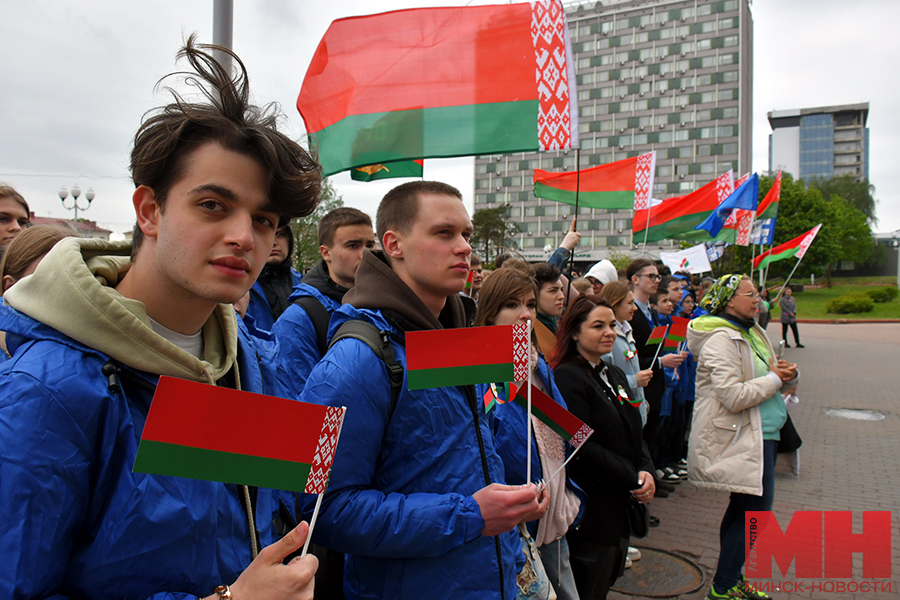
[430, 493]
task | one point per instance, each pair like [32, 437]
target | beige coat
[725, 451]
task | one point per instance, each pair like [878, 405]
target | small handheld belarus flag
[658, 334]
[469, 355]
[569, 427]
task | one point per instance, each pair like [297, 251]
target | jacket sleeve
[722, 359]
[559, 258]
[579, 396]
[356, 517]
[298, 349]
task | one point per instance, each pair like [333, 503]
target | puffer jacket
[725, 450]
[75, 522]
[298, 347]
[400, 500]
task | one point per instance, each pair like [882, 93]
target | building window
[729, 148]
[730, 113]
[707, 168]
[731, 40]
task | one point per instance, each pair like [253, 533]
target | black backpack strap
[380, 343]
[320, 318]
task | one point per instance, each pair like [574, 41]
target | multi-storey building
[672, 76]
[820, 143]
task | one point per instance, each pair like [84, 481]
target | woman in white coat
[738, 413]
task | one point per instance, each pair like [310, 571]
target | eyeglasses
[749, 294]
[654, 277]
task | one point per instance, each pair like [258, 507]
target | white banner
[692, 260]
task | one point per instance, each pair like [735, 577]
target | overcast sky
[76, 78]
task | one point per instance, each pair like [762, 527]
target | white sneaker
[633, 553]
[627, 563]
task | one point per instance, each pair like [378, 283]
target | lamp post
[75, 192]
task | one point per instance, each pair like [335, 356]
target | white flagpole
[786, 281]
[528, 416]
[315, 515]
[563, 466]
[653, 362]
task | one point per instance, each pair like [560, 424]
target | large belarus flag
[437, 82]
[677, 217]
[206, 432]
[623, 184]
[797, 247]
[447, 357]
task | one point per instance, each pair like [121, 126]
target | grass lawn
[811, 302]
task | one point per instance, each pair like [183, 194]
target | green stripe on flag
[770, 258]
[369, 139]
[421, 379]
[544, 418]
[617, 200]
[211, 465]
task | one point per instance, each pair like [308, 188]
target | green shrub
[882, 294]
[854, 302]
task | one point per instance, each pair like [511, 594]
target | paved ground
[844, 464]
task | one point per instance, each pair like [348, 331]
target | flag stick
[647, 226]
[660, 347]
[752, 256]
[574, 222]
[766, 276]
[315, 515]
[528, 416]
[563, 466]
[786, 281]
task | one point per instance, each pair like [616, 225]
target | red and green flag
[623, 184]
[678, 329]
[658, 334]
[440, 82]
[388, 170]
[469, 278]
[676, 218]
[797, 247]
[569, 427]
[212, 433]
[768, 206]
[670, 345]
[448, 357]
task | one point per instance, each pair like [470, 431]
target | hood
[73, 291]
[703, 328]
[319, 279]
[603, 271]
[377, 287]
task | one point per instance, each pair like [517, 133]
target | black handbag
[790, 440]
[638, 518]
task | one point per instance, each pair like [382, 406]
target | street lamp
[76, 192]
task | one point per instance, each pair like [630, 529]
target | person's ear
[8, 281]
[147, 210]
[325, 251]
[392, 243]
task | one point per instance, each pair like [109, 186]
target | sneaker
[669, 476]
[682, 464]
[786, 345]
[682, 473]
[800, 346]
[633, 553]
[627, 563]
[751, 593]
[735, 592]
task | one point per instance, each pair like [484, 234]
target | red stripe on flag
[198, 415]
[464, 347]
[547, 405]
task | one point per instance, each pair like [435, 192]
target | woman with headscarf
[738, 414]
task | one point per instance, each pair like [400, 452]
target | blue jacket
[259, 307]
[298, 348]
[74, 520]
[400, 502]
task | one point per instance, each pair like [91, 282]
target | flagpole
[786, 281]
[545, 482]
[752, 256]
[653, 362]
[315, 515]
[574, 223]
[647, 226]
[528, 416]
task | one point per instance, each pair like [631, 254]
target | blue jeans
[555, 558]
[731, 533]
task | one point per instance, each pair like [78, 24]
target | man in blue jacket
[96, 325]
[301, 330]
[414, 498]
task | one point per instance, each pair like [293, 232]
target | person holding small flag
[508, 297]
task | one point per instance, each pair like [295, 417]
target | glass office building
[675, 77]
[820, 143]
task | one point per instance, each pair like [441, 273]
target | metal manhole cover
[855, 414]
[660, 574]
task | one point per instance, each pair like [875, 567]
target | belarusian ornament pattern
[583, 433]
[548, 35]
[643, 180]
[320, 469]
[520, 352]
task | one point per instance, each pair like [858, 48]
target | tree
[306, 229]
[493, 232]
[859, 194]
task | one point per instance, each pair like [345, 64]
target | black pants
[793, 326]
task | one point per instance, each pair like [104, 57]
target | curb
[844, 321]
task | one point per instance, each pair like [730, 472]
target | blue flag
[745, 197]
[763, 232]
